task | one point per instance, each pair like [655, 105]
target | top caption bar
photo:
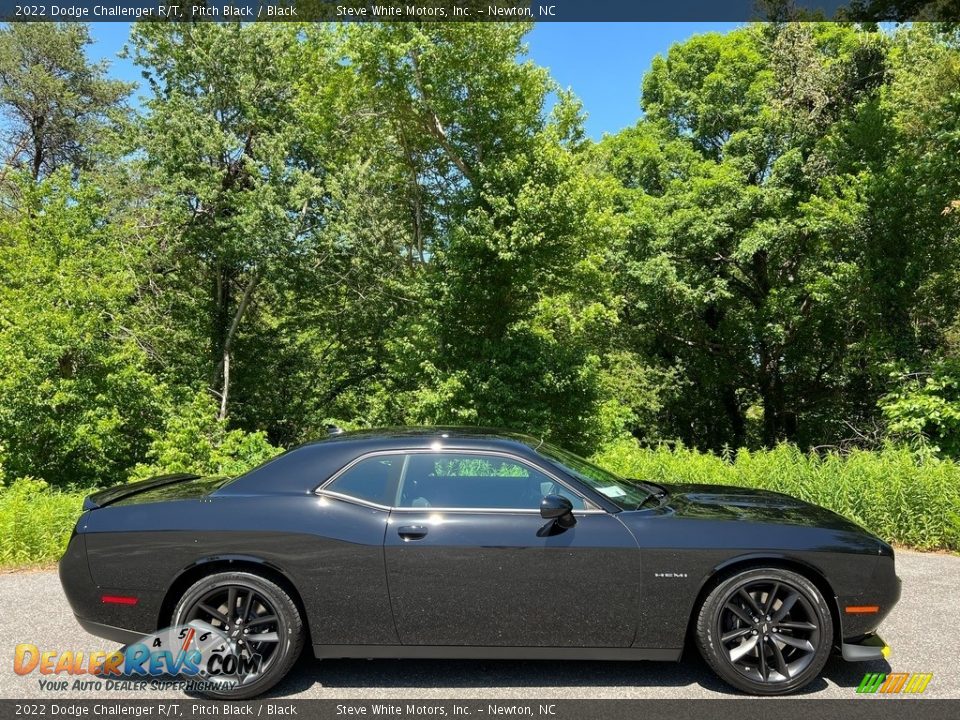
[475, 11]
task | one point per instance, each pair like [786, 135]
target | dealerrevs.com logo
[198, 653]
[894, 683]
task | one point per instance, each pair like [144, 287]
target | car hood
[718, 502]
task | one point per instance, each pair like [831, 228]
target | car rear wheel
[766, 631]
[258, 633]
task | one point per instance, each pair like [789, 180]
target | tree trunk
[223, 366]
[434, 125]
[221, 321]
[738, 423]
[37, 160]
[226, 386]
[772, 396]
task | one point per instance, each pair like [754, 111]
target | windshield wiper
[654, 492]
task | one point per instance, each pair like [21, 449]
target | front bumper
[871, 647]
[882, 590]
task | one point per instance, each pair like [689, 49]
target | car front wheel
[254, 628]
[766, 631]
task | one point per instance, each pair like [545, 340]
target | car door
[470, 561]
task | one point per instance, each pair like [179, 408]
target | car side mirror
[559, 509]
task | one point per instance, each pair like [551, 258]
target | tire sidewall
[290, 624]
[715, 654]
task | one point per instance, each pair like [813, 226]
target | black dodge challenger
[462, 543]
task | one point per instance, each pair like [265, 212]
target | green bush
[194, 440]
[925, 411]
[904, 497]
[35, 522]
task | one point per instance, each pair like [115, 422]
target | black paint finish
[496, 580]
[422, 582]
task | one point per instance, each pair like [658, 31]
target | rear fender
[226, 563]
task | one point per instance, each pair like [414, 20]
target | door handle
[412, 532]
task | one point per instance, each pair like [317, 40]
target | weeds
[903, 497]
[897, 494]
[35, 522]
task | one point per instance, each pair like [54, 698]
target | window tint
[462, 480]
[558, 489]
[372, 479]
[626, 494]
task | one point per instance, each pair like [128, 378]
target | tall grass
[902, 497]
[35, 522]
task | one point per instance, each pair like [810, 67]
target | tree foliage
[404, 223]
[778, 259]
[57, 105]
[77, 391]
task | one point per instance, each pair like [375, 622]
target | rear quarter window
[372, 479]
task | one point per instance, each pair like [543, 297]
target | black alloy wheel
[765, 631]
[260, 626]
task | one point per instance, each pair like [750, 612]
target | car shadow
[309, 672]
[850, 674]
[475, 674]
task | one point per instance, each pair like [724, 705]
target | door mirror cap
[555, 506]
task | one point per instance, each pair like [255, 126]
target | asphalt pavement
[921, 630]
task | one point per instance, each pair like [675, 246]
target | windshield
[626, 494]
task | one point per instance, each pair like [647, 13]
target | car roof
[425, 437]
[302, 468]
[306, 467]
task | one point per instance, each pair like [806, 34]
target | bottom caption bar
[865, 708]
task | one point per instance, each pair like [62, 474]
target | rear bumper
[86, 599]
[120, 635]
[871, 647]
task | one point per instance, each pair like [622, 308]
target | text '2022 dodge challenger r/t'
[464, 543]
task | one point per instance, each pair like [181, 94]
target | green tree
[508, 225]
[192, 439]
[285, 253]
[925, 410]
[77, 394]
[749, 261]
[239, 179]
[55, 102]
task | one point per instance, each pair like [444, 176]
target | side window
[464, 480]
[371, 479]
[558, 489]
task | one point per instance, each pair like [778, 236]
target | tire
[272, 617]
[760, 656]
